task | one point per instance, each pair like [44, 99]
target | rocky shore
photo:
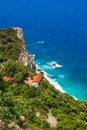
[27, 60]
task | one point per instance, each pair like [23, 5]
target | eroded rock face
[38, 114]
[22, 118]
[2, 124]
[20, 34]
[24, 57]
[11, 125]
[51, 120]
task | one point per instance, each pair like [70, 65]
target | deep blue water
[55, 31]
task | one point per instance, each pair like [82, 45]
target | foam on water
[47, 67]
[61, 76]
[52, 81]
[41, 42]
[54, 64]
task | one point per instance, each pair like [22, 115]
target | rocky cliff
[24, 57]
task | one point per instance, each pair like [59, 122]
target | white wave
[53, 82]
[47, 67]
[37, 66]
[74, 97]
[54, 64]
[61, 76]
[42, 42]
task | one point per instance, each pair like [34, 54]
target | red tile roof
[37, 78]
[7, 78]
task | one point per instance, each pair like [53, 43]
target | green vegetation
[19, 99]
[10, 45]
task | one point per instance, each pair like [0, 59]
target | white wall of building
[35, 84]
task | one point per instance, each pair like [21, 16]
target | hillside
[25, 107]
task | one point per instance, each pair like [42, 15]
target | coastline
[25, 106]
[28, 61]
[52, 82]
[55, 84]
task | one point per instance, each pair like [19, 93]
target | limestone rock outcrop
[24, 57]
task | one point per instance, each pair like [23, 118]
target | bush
[16, 70]
[18, 77]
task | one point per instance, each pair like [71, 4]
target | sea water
[56, 32]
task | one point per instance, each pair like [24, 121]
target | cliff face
[24, 57]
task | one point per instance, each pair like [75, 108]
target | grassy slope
[21, 99]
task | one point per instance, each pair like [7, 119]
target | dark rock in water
[54, 64]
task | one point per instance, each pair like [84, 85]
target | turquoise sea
[56, 32]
